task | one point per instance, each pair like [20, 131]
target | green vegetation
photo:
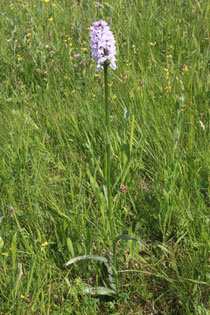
[52, 149]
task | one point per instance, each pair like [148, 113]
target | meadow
[53, 203]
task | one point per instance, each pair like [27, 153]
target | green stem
[108, 172]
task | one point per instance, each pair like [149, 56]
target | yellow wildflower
[26, 298]
[167, 72]
[50, 19]
[134, 49]
[185, 68]
[43, 245]
[19, 58]
[168, 88]
[153, 43]
[5, 254]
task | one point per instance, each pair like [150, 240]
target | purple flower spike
[103, 44]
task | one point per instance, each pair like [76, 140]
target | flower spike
[103, 45]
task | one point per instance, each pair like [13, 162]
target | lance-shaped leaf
[1, 219]
[86, 257]
[99, 291]
[128, 238]
[122, 176]
[109, 265]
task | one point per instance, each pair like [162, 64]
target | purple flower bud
[99, 5]
[47, 137]
[123, 189]
[103, 44]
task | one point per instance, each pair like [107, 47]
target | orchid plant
[103, 49]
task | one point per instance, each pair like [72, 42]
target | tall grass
[51, 188]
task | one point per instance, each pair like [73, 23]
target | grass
[51, 191]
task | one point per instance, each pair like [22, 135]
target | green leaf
[128, 238]
[108, 263]
[14, 251]
[98, 194]
[1, 219]
[86, 257]
[122, 176]
[99, 291]
[131, 135]
[126, 113]
[70, 246]
[1, 242]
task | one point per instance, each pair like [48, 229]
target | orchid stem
[108, 172]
